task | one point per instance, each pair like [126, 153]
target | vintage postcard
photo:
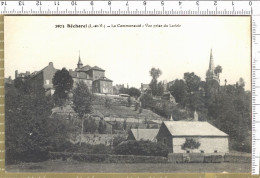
[128, 94]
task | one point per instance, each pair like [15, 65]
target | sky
[128, 53]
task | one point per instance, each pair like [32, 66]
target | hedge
[236, 158]
[142, 147]
[106, 158]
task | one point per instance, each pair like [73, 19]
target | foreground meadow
[75, 166]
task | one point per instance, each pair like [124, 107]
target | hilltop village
[184, 115]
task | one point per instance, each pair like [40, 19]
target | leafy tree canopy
[82, 99]
[155, 73]
[192, 81]
[30, 132]
[134, 92]
[63, 83]
[190, 143]
[179, 91]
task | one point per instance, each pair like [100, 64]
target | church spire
[211, 75]
[211, 62]
[79, 62]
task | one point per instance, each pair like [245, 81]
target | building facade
[39, 79]
[175, 133]
[93, 77]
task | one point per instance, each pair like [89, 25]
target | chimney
[16, 73]
[196, 117]
[27, 73]
[51, 64]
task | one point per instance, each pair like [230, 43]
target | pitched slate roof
[88, 67]
[193, 128]
[35, 73]
[81, 75]
[96, 68]
[145, 134]
[105, 79]
[85, 68]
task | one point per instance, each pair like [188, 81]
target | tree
[160, 89]
[231, 113]
[117, 140]
[134, 92]
[124, 90]
[102, 126]
[241, 82]
[22, 85]
[190, 143]
[218, 70]
[129, 101]
[90, 125]
[192, 81]
[179, 91]
[146, 100]
[167, 109]
[108, 102]
[154, 87]
[82, 103]
[63, 83]
[117, 126]
[136, 106]
[30, 131]
[155, 73]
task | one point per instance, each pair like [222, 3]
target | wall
[96, 86]
[164, 136]
[207, 144]
[48, 74]
[96, 74]
[106, 87]
[95, 139]
[37, 81]
[86, 81]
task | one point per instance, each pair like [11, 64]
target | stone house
[144, 87]
[94, 77]
[42, 78]
[175, 133]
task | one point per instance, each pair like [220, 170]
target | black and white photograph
[128, 94]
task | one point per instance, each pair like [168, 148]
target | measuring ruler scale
[132, 7]
[222, 8]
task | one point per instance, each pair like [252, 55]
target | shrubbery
[107, 158]
[86, 148]
[30, 131]
[117, 140]
[146, 148]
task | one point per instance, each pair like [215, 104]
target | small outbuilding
[205, 137]
[143, 134]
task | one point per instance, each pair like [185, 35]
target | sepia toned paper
[108, 53]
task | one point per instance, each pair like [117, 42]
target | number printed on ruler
[132, 7]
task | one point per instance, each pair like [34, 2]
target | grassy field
[74, 166]
[124, 112]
